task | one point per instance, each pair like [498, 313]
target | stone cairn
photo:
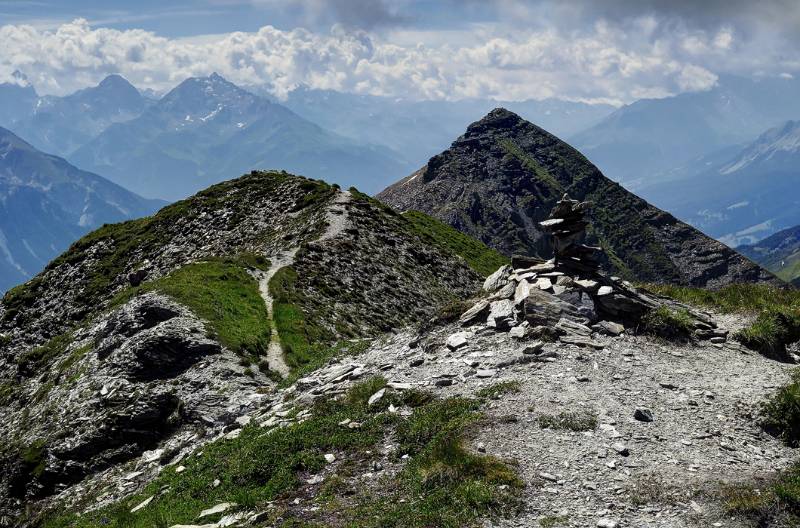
[567, 226]
[568, 295]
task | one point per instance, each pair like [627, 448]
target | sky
[612, 51]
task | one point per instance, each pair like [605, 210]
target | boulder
[476, 314]
[506, 292]
[457, 340]
[497, 280]
[501, 314]
[165, 350]
[609, 328]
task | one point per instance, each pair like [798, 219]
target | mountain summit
[62, 124]
[504, 175]
[207, 128]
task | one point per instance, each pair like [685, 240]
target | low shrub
[672, 325]
[772, 330]
[569, 421]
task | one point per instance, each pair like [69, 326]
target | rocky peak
[504, 176]
[114, 81]
[498, 119]
[199, 99]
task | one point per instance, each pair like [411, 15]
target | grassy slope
[477, 255]
[791, 269]
[443, 485]
[303, 342]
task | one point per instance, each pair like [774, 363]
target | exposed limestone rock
[476, 314]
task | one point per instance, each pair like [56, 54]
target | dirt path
[274, 350]
[336, 217]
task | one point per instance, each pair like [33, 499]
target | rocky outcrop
[100, 363]
[120, 387]
[503, 177]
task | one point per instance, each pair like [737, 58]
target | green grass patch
[303, 342]
[772, 330]
[497, 390]
[443, 485]
[669, 324]
[254, 261]
[531, 164]
[569, 421]
[775, 503]
[222, 293]
[780, 413]
[478, 256]
[33, 360]
[735, 298]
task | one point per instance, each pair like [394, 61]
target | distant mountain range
[61, 125]
[779, 253]
[672, 151]
[742, 194]
[420, 129]
[208, 128]
[46, 204]
[639, 143]
[504, 175]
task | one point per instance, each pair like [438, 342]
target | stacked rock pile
[568, 296]
[567, 225]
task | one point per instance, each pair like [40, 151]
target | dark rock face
[503, 177]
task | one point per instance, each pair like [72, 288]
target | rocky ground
[666, 472]
[620, 470]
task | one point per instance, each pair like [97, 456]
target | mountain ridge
[502, 176]
[207, 127]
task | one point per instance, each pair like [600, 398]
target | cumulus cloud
[612, 61]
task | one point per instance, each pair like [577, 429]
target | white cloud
[616, 62]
